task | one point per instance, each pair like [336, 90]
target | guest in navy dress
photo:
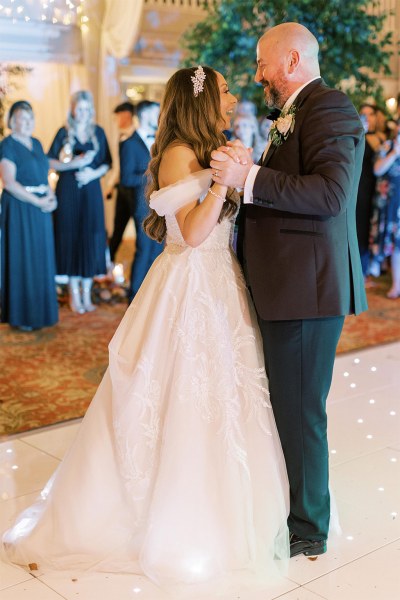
[28, 291]
[81, 155]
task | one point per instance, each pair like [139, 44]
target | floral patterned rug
[51, 375]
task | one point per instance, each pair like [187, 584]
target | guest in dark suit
[301, 257]
[124, 116]
[134, 158]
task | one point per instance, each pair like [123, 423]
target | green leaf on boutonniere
[283, 126]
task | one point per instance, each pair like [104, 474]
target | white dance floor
[363, 563]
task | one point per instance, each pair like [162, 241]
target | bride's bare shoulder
[178, 161]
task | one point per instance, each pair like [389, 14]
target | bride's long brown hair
[189, 120]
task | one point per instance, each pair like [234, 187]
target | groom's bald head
[287, 57]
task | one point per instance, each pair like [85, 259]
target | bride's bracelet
[216, 195]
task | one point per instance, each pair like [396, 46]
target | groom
[300, 256]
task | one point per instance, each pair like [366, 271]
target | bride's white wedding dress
[177, 470]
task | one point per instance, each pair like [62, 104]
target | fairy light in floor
[381, 489]
[360, 421]
[372, 401]
[373, 369]
[392, 413]
[393, 459]
[369, 437]
[346, 374]
[356, 361]
[137, 590]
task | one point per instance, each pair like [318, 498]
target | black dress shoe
[311, 549]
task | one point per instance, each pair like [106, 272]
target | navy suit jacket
[299, 236]
[134, 157]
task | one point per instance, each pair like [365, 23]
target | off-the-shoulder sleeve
[172, 198]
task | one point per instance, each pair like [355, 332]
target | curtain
[119, 32]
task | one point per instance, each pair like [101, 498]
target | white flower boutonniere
[283, 125]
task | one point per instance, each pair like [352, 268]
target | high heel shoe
[87, 294]
[75, 300]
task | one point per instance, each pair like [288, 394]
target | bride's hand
[236, 151]
[231, 164]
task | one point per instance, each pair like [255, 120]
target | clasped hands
[47, 203]
[85, 174]
[231, 164]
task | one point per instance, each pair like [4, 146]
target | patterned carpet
[51, 375]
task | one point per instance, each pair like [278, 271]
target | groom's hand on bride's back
[231, 164]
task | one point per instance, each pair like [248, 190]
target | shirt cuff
[249, 184]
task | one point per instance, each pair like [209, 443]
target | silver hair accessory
[198, 80]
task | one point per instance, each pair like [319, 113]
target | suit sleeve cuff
[249, 183]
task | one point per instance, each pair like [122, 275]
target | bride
[177, 471]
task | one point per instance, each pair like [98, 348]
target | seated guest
[28, 291]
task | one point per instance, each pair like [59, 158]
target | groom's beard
[274, 97]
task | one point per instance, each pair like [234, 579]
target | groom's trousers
[299, 359]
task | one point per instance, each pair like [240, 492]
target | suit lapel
[298, 102]
[142, 142]
[268, 156]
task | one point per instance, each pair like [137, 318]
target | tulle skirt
[177, 471]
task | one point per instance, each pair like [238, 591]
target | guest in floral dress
[387, 225]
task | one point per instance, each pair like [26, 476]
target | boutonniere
[283, 125]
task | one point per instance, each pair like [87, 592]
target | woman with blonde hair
[177, 472]
[81, 156]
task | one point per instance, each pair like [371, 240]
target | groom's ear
[293, 61]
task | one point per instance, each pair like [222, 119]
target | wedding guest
[264, 128]
[124, 116]
[134, 157]
[382, 121]
[28, 291]
[388, 165]
[81, 156]
[366, 189]
[246, 108]
[245, 129]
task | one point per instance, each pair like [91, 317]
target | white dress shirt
[249, 183]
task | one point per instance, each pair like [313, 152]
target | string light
[67, 12]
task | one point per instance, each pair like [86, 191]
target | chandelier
[55, 12]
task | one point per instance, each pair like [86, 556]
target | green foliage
[353, 50]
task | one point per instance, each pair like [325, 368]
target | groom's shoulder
[327, 96]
